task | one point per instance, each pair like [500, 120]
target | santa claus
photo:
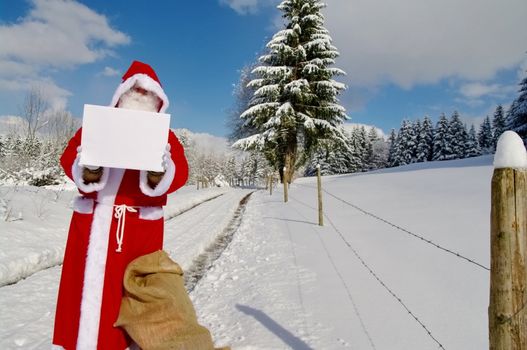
[101, 242]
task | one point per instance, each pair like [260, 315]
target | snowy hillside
[368, 279]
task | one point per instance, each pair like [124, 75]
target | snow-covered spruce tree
[407, 143]
[230, 170]
[319, 157]
[498, 125]
[356, 143]
[485, 137]
[392, 139]
[243, 93]
[295, 104]
[417, 131]
[517, 113]
[425, 139]
[333, 158]
[376, 152]
[459, 136]
[442, 140]
[472, 147]
[378, 148]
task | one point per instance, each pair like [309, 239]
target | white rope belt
[120, 215]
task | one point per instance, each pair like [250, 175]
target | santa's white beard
[135, 100]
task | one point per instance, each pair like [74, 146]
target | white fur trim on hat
[76, 171]
[144, 81]
[163, 186]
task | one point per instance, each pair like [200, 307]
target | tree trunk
[289, 163]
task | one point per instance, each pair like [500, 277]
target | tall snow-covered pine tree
[485, 137]
[472, 147]
[295, 103]
[498, 124]
[425, 141]
[458, 136]
[442, 140]
[517, 114]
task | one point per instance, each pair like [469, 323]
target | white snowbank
[510, 152]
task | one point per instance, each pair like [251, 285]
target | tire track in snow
[201, 264]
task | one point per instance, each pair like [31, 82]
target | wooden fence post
[284, 180]
[319, 187]
[508, 273]
[197, 183]
[271, 185]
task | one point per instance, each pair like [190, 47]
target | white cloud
[243, 7]
[59, 33]
[110, 72]
[476, 94]
[476, 90]
[411, 42]
[54, 95]
[55, 34]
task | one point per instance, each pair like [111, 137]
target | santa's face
[140, 99]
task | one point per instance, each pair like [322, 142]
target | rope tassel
[120, 215]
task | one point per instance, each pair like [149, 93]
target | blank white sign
[123, 138]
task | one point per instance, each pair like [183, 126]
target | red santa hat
[143, 75]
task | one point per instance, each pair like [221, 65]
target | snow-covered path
[29, 305]
[286, 282]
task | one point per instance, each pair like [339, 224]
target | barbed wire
[409, 232]
[384, 284]
[426, 240]
[350, 297]
[509, 319]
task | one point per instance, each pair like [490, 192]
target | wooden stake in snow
[271, 184]
[319, 186]
[508, 273]
[284, 180]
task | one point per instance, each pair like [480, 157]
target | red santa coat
[98, 249]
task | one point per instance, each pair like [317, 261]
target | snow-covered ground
[285, 282]
[34, 225]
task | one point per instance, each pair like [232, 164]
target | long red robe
[91, 284]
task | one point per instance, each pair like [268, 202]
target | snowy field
[358, 282]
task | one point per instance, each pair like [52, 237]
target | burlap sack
[156, 311]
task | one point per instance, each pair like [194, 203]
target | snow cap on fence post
[510, 152]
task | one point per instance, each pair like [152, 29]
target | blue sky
[404, 59]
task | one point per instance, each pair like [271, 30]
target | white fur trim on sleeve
[83, 205]
[76, 171]
[163, 186]
[150, 213]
